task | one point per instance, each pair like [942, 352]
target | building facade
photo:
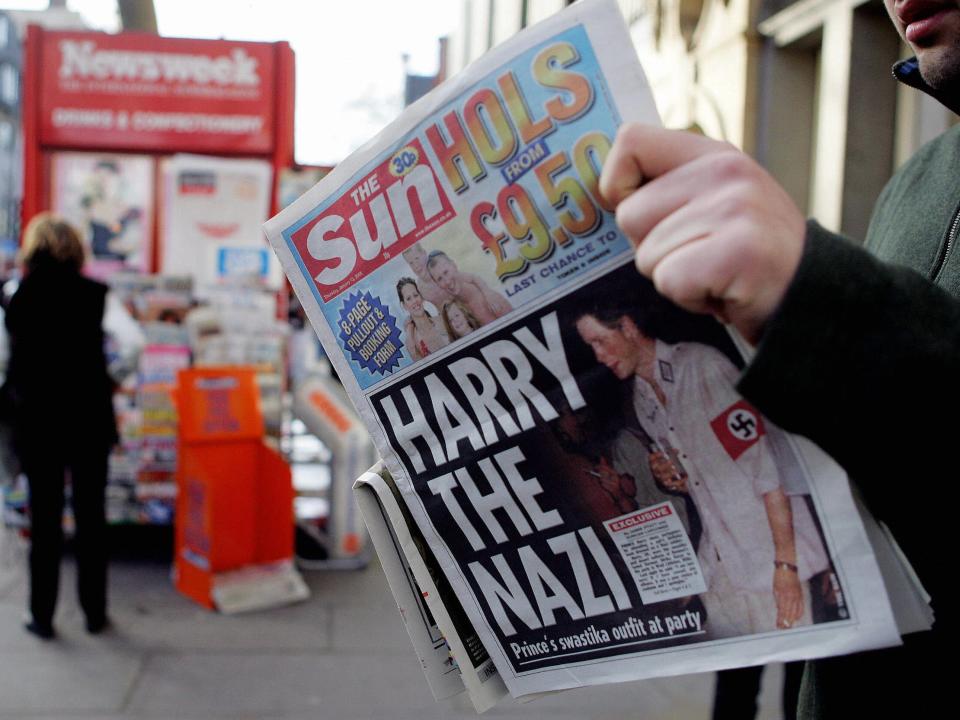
[10, 151]
[13, 27]
[802, 85]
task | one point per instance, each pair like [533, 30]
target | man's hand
[608, 478]
[788, 595]
[787, 590]
[666, 472]
[713, 230]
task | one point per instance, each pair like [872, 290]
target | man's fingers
[796, 608]
[699, 193]
[644, 152]
[608, 482]
[697, 218]
[694, 274]
[797, 613]
[791, 614]
[642, 210]
[789, 601]
[708, 181]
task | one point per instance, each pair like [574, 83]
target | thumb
[643, 152]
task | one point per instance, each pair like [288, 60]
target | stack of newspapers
[572, 492]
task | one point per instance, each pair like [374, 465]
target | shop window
[690, 11]
[9, 84]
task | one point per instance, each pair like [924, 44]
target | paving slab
[62, 676]
[13, 564]
[369, 686]
[177, 624]
[229, 685]
[355, 687]
[369, 627]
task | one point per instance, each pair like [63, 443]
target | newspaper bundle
[572, 491]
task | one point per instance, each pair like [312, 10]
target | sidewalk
[342, 655]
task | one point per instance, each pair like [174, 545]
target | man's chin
[940, 68]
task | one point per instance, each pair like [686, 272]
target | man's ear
[629, 328]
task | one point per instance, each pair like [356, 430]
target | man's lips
[921, 18]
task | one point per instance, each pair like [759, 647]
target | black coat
[58, 391]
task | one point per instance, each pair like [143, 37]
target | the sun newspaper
[573, 493]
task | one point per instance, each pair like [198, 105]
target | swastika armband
[738, 428]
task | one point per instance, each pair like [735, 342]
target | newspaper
[570, 446]
[451, 654]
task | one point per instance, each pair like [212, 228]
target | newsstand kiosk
[155, 96]
[165, 153]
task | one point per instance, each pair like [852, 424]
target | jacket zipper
[951, 237]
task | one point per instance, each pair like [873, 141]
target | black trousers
[735, 697]
[46, 472]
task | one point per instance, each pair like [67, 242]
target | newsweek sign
[137, 91]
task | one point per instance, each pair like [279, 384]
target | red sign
[738, 428]
[641, 518]
[391, 208]
[142, 92]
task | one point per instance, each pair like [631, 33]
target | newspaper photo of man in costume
[760, 545]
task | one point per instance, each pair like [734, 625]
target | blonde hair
[470, 317]
[51, 240]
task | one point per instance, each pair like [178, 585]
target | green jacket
[862, 357]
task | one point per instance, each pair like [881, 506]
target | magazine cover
[211, 224]
[109, 198]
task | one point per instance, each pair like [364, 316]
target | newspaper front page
[602, 502]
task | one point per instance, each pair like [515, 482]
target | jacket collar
[908, 72]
